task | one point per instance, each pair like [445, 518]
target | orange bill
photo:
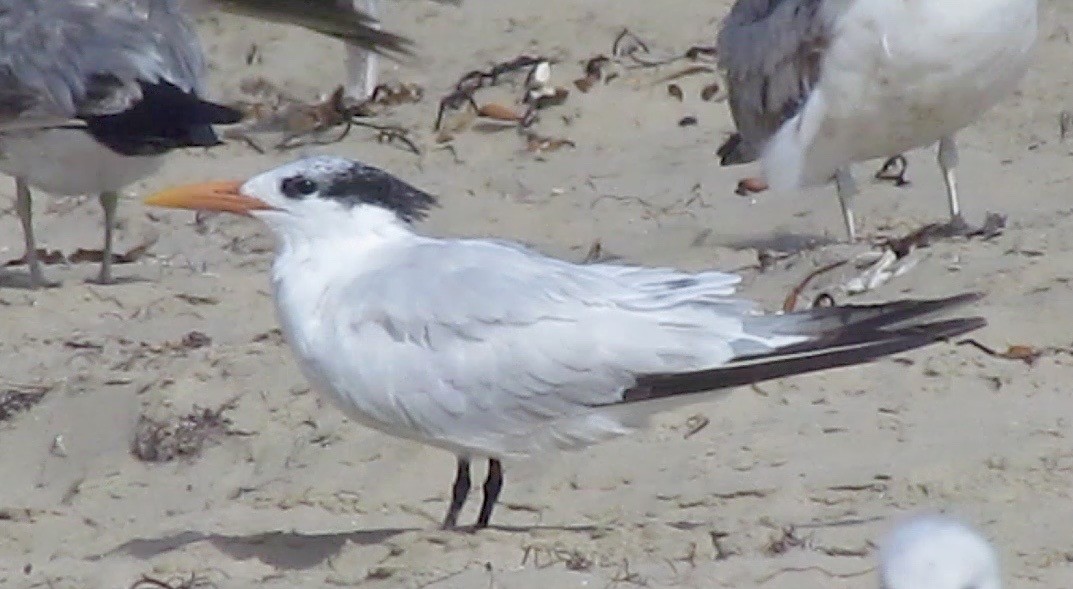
[223, 196]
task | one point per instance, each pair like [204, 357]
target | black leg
[492, 486]
[459, 492]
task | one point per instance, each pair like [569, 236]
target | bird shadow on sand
[790, 243]
[292, 550]
[19, 280]
[14, 279]
[286, 550]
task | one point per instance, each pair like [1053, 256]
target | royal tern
[815, 85]
[488, 349]
[355, 22]
[937, 552]
[92, 94]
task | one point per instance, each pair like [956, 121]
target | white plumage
[816, 85]
[488, 349]
[937, 552]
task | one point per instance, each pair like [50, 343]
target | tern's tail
[838, 336]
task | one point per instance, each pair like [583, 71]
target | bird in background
[92, 94]
[816, 85]
[355, 22]
[934, 551]
[490, 350]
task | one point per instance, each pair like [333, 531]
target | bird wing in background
[64, 59]
[335, 18]
[771, 51]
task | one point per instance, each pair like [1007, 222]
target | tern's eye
[297, 187]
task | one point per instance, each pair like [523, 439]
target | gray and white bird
[355, 22]
[490, 350]
[815, 85]
[937, 552]
[92, 94]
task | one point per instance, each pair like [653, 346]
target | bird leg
[847, 189]
[459, 492]
[948, 161]
[109, 202]
[24, 208]
[362, 65]
[492, 486]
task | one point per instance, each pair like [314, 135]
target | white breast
[902, 74]
[69, 162]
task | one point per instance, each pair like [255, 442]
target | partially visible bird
[815, 85]
[355, 22]
[92, 94]
[490, 350]
[937, 552]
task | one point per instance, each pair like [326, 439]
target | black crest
[361, 184]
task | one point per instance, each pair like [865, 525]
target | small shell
[751, 185]
[547, 97]
[499, 112]
[540, 76]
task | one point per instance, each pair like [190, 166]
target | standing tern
[937, 552]
[355, 22]
[92, 94]
[815, 85]
[490, 350]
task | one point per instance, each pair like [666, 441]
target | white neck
[316, 251]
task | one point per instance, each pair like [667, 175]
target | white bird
[937, 552]
[490, 350]
[355, 22]
[816, 85]
[92, 94]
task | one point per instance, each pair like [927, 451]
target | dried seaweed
[182, 437]
[16, 399]
[81, 256]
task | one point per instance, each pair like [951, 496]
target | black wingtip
[829, 321]
[851, 347]
[214, 113]
[333, 19]
[167, 117]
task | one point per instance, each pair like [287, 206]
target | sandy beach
[783, 485]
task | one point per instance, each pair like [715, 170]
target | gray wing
[502, 348]
[508, 352]
[62, 58]
[335, 18]
[771, 51]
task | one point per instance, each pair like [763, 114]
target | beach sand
[788, 485]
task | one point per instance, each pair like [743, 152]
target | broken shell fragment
[547, 97]
[539, 76]
[751, 185]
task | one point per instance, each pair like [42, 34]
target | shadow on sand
[292, 550]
